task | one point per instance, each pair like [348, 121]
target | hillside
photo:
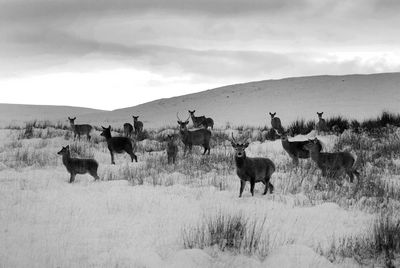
[16, 113]
[354, 96]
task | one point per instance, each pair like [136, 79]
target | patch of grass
[300, 126]
[229, 232]
[81, 150]
[339, 123]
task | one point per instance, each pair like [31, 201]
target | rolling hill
[353, 96]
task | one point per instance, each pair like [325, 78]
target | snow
[47, 222]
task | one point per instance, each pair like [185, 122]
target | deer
[321, 125]
[296, 149]
[138, 125]
[118, 144]
[333, 163]
[276, 123]
[128, 129]
[197, 120]
[79, 130]
[193, 137]
[208, 122]
[78, 166]
[252, 169]
[172, 149]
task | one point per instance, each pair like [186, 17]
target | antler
[178, 117]
[233, 138]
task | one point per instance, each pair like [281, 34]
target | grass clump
[232, 232]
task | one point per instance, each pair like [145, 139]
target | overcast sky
[116, 53]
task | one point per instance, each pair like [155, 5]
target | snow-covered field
[137, 214]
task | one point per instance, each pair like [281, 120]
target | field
[152, 214]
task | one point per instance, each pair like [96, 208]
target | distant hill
[15, 113]
[353, 96]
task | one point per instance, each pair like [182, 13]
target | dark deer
[77, 165]
[253, 169]
[79, 130]
[118, 144]
[333, 163]
[138, 125]
[296, 149]
[128, 129]
[321, 125]
[172, 149]
[197, 120]
[208, 122]
[276, 123]
[194, 137]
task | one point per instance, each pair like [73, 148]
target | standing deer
[321, 125]
[118, 144]
[194, 137]
[333, 163]
[172, 149]
[276, 123]
[197, 120]
[208, 122]
[253, 169]
[128, 129]
[78, 166]
[296, 149]
[79, 130]
[137, 124]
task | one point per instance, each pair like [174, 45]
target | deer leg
[242, 184]
[133, 156]
[88, 137]
[350, 174]
[252, 184]
[265, 187]
[72, 178]
[271, 188]
[94, 175]
[112, 158]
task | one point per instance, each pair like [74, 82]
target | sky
[114, 54]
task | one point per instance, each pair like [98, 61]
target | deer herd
[252, 169]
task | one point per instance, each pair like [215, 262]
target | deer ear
[74, 118]
[187, 122]
[233, 144]
[179, 122]
[103, 128]
[109, 127]
[69, 118]
[67, 147]
[246, 145]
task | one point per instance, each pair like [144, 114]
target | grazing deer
[321, 125]
[276, 123]
[333, 163]
[253, 169]
[79, 130]
[77, 165]
[197, 120]
[128, 129]
[118, 144]
[172, 149]
[296, 149]
[194, 137]
[137, 124]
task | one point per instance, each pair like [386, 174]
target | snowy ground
[47, 222]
